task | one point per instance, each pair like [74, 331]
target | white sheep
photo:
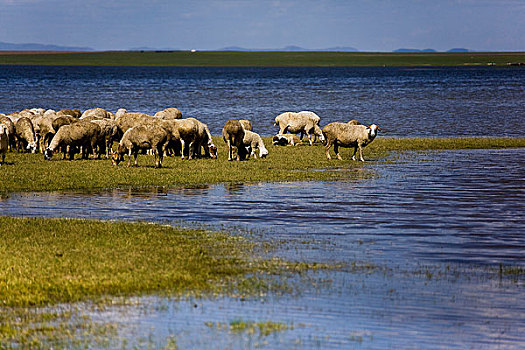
[233, 135]
[142, 137]
[25, 134]
[253, 141]
[4, 142]
[80, 134]
[304, 122]
[347, 135]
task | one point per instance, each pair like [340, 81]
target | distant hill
[413, 50]
[40, 47]
[292, 48]
[459, 49]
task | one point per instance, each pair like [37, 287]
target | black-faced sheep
[252, 141]
[303, 122]
[142, 137]
[25, 135]
[233, 135]
[82, 134]
[347, 135]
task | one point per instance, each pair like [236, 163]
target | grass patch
[261, 329]
[45, 262]
[48, 261]
[258, 59]
[30, 172]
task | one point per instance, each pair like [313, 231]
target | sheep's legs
[230, 150]
[355, 151]
[327, 148]
[361, 153]
[336, 150]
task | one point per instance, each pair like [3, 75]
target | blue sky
[382, 25]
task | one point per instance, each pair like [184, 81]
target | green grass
[49, 261]
[30, 172]
[259, 59]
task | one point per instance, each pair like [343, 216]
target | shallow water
[447, 101]
[434, 226]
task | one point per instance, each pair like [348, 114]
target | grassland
[30, 172]
[258, 59]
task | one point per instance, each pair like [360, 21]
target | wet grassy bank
[30, 172]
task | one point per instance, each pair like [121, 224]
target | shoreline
[260, 59]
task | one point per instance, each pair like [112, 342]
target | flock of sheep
[95, 130]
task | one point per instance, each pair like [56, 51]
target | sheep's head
[48, 154]
[31, 146]
[263, 152]
[319, 133]
[213, 151]
[118, 156]
[373, 130]
[280, 140]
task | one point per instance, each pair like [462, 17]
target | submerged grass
[30, 172]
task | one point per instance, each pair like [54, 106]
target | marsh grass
[30, 172]
[259, 59]
[48, 261]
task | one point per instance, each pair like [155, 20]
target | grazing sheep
[142, 137]
[4, 142]
[109, 132]
[184, 130]
[46, 130]
[246, 124]
[169, 114]
[71, 112]
[120, 113]
[302, 122]
[25, 134]
[204, 141]
[286, 140]
[80, 134]
[233, 135]
[96, 113]
[8, 123]
[346, 135]
[63, 120]
[253, 141]
[129, 120]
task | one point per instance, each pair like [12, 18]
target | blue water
[481, 101]
[430, 231]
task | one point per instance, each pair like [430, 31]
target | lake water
[423, 241]
[482, 101]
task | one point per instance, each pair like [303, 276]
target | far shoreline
[191, 58]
